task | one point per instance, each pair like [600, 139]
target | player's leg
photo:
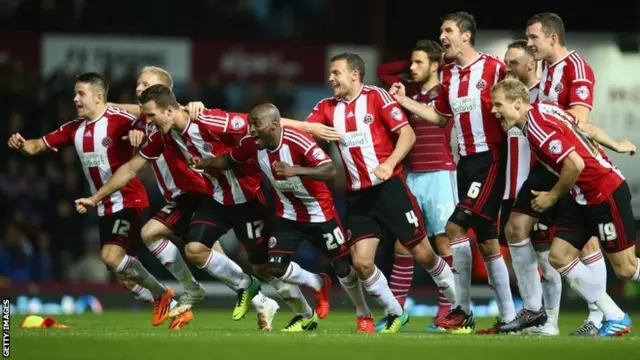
[118, 232]
[329, 237]
[614, 224]
[592, 257]
[363, 235]
[541, 238]
[172, 220]
[441, 197]
[398, 210]
[285, 237]
[207, 225]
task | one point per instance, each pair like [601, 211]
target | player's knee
[592, 246]
[262, 271]
[112, 256]
[342, 266]
[363, 266]
[150, 233]
[197, 253]
[442, 244]
[515, 231]
[624, 263]
[558, 259]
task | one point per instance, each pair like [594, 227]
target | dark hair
[161, 94]
[551, 24]
[520, 44]
[432, 48]
[354, 62]
[94, 79]
[465, 22]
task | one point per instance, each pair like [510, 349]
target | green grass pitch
[213, 335]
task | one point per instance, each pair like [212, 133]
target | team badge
[272, 242]
[237, 123]
[555, 146]
[207, 147]
[318, 154]
[558, 88]
[106, 141]
[481, 84]
[368, 119]
[583, 92]
[396, 114]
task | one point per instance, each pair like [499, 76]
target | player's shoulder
[71, 125]
[491, 59]
[329, 101]
[298, 137]
[578, 66]
[117, 114]
[378, 93]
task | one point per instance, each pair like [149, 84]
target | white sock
[636, 276]
[499, 279]
[222, 268]
[378, 287]
[170, 257]
[595, 262]
[582, 281]
[552, 287]
[142, 294]
[292, 296]
[462, 261]
[444, 278]
[352, 285]
[525, 265]
[259, 301]
[136, 272]
[301, 277]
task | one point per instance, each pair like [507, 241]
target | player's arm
[389, 73]
[27, 147]
[240, 154]
[324, 172]
[406, 139]
[425, 112]
[316, 164]
[224, 162]
[130, 108]
[602, 138]
[572, 166]
[125, 173]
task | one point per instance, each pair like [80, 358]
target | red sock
[401, 277]
[444, 306]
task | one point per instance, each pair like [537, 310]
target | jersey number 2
[121, 227]
[333, 239]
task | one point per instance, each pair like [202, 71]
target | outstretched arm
[27, 147]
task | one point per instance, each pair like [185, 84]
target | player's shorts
[437, 196]
[247, 221]
[328, 237]
[176, 214]
[121, 228]
[481, 182]
[539, 179]
[388, 206]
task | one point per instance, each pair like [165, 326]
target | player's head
[510, 100]
[90, 94]
[159, 105]
[520, 61]
[264, 125]
[425, 60]
[545, 31]
[346, 74]
[152, 75]
[458, 31]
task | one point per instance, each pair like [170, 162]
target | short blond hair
[162, 74]
[513, 89]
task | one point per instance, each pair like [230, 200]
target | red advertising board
[22, 47]
[258, 60]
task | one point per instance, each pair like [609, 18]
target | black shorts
[385, 208]
[539, 179]
[121, 228]
[247, 221]
[176, 215]
[481, 181]
[328, 237]
[542, 233]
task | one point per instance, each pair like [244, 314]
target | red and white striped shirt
[102, 151]
[367, 125]
[170, 167]
[214, 133]
[553, 135]
[519, 157]
[297, 198]
[466, 97]
[567, 82]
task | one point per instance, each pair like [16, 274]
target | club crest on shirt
[583, 92]
[433, 93]
[237, 123]
[481, 84]
[396, 114]
[318, 154]
[558, 88]
[555, 146]
[106, 141]
[272, 242]
[368, 119]
[207, 147]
